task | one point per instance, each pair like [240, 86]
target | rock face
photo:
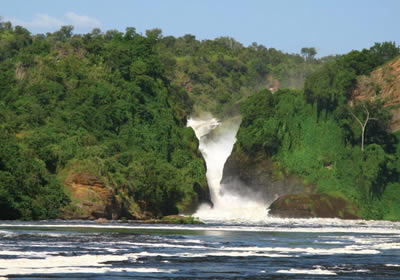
[383, 83]
[312, 206]
[258, 177]
[91, 199]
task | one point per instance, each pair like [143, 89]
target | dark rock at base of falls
[258, 178]
[312, 206]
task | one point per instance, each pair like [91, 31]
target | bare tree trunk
[362, 138]
[363, 125]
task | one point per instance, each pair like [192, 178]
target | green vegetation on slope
[315, 135]
[98, 102]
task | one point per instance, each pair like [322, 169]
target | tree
[363, 124]
[154, 34]
[382, 52]
[64, 33]
[130, 32]
[308, 53]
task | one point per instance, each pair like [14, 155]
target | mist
[216, 142]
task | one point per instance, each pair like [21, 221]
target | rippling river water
[274, 249]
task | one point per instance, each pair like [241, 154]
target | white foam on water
[307, 251]
[275, 252]
[329, 242]
[164, 245]
[6, 233]
[392, 265]
[213, 253]
[232, 209]
[374, 243]
[232, 254]
[30, 254]
[57, 264]
[285, 225]
[157, 254]
[386, 246]
[264, 252]
[195, 241]
[76, 264]
[50, 234]
[52, 245]
[143, 270]
[316, 271]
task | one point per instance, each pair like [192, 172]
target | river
[274, 249]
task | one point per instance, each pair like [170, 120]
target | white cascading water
[216, 143]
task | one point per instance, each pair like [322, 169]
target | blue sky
[331, 26]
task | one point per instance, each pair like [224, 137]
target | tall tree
[308, 53]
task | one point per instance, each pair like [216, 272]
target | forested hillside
[93, 125]
[94, 106]
[335, 144]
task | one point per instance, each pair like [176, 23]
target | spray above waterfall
[216, 142]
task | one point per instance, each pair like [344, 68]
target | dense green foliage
[114, 105]
[314, 135]
[219, 74]
[100, 103]
[27, 190]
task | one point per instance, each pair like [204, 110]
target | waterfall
[216, 142]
